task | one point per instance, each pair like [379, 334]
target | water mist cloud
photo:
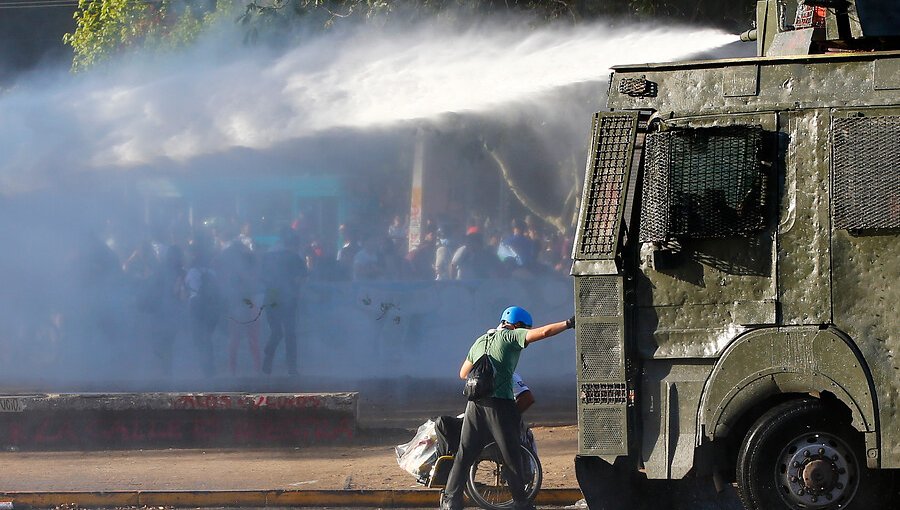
[76, 152]
[209, 100]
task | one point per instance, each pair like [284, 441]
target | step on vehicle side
[737, 263]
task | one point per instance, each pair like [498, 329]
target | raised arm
[549, 330]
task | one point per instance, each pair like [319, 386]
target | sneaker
[447, 504]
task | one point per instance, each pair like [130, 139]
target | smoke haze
[77, 153]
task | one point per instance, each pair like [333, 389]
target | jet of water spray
[193, 104]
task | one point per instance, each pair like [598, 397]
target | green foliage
[171, 34]
[104, 28]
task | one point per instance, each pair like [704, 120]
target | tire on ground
[495, 495]
[801, 455]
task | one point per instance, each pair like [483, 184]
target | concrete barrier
[163, 420]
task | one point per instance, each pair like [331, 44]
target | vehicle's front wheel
[799, 455]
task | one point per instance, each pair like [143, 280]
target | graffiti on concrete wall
[251, 402]
[10, 405]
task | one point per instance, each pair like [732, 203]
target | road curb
[97, 421]
[413, 498]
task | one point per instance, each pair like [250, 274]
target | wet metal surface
[805, 307]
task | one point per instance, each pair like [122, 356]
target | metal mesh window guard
[610, 159]
[703, 183]
[866, 172]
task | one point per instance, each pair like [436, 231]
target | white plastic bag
[419, 455]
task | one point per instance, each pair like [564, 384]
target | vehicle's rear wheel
[799, 455]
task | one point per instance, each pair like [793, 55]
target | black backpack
[480, 381]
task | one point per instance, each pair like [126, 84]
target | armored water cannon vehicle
[736, 268]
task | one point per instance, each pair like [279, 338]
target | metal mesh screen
[703, 183]
[603, 429]
[608, 166]
[599, 297]
[602, 388]
[866, 172]
[601, 352]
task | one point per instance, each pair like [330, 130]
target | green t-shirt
[503, 346]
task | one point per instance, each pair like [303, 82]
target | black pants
[488, 419]
[448, 430]
[282, 325]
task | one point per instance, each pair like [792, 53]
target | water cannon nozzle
[748, 35]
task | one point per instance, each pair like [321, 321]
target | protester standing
[283, 270]
[496, 417]
[206, 303]
[166, 305]
[236, 265]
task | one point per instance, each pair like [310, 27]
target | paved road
[366, 463]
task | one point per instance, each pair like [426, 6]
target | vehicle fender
[768, 361]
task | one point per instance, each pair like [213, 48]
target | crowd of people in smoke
[219, 280]
[477, 251]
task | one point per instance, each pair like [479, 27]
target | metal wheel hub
[817, 470]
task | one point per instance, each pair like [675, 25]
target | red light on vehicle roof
[810, 17]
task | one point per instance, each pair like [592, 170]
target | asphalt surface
[362, 472]
[253, 499]
[359, 473]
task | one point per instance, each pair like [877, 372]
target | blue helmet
[515, 314]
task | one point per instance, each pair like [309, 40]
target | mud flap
[607, 486]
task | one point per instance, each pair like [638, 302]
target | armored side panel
[707, 240]
[600, 331]
[603, 396]
[810, 144]
[865, 179]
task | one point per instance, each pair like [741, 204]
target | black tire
[801, 456]
[486, 483]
